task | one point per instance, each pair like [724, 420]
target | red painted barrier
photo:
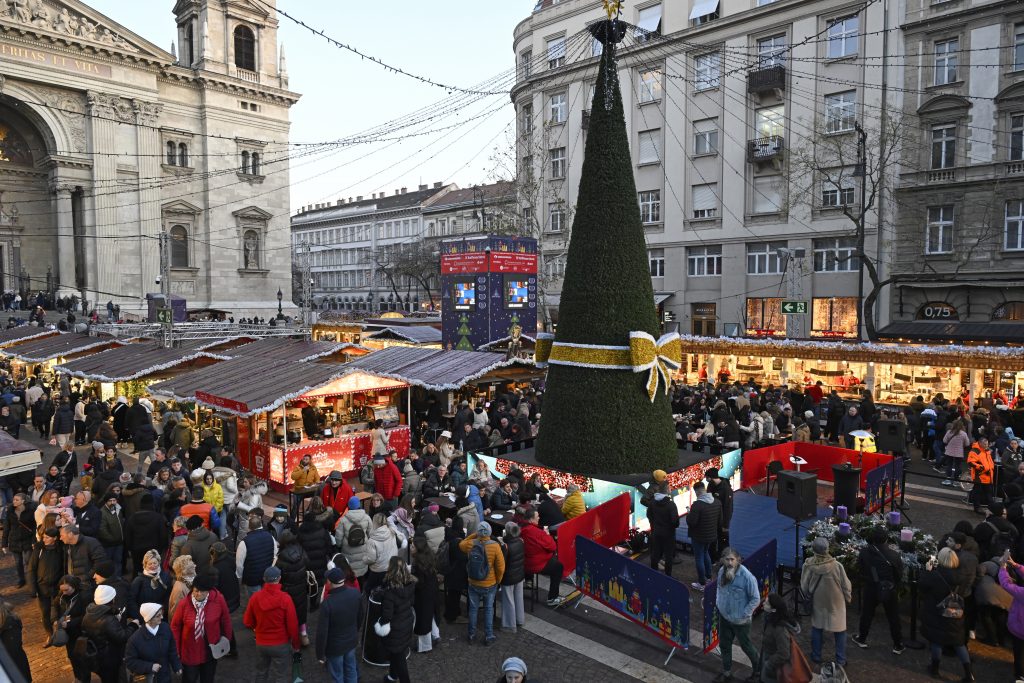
[819, 460]
[606, 524]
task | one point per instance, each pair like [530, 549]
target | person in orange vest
[201, 509]
[979, 459]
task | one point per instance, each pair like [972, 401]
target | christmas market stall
[128, 370]
[894, 373]
[296, 349]
[24, 333]
[37, 357]
[302, 408]
[423, 336]
[332, 326]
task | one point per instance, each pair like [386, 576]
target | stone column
[65, 240]
[147, 120]
[106, 112]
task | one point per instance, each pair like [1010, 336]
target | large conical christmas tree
[600, 420]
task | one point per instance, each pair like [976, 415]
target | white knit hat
[148, 610]
[104, 594]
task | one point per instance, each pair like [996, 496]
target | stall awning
[287, 349]
[126, 363]
[416, 334]
[702, 8]
[58, 346]
[1002, 332]
[433, 369]
[23, 333]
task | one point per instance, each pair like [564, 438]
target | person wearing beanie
[513, 670]
[202, 619]
[658, 483]
[144, 531]
[271, 616]
[824, 578]
[664, 520]
[200, 540]
[721, 490]
[111, 530]
[204, 510]
[412, 481]
[337, 630]
[103, 625]
[779, 627]
[106, 574]
[483, 586]
[336, 494]
[151, 650]
[352, 535]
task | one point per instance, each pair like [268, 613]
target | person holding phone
[1011, 578]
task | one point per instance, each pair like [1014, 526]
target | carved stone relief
[58, 19]
[69, 107]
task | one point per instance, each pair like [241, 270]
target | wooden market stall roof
[59, 346]
[433, 369]
[289, 349]
[952, 356]
[126, 363]
[413, 334]
[23, 333]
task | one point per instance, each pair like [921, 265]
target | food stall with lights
[301, 408]
[38, 357]
[894, 373]
[424, 336]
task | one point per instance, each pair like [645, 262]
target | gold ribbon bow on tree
[659, 358]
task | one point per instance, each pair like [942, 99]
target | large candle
[844, 529]
[894, 518]
[842, 513]
[906, 536]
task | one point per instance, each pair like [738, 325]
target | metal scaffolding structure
[198, 331]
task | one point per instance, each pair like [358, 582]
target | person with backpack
[486, 568]
[881, 570]
[350, 534]
[104, 635]
[824, 579]
[381, 546]
[996, 533]
[942, 610]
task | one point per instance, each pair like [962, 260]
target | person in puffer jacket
[381, 546]
[354, 554]
[294, 563]
[250, 497]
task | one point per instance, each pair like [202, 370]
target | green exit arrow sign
[794, 307]
[164, 316]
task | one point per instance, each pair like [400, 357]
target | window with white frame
[939, 231]
[763, 258]
[650, 85]
[767, 194]
[704, 261]
[556, 52]
[1014, 230]
[835, 255]
[946, 61]
[840, 111]
[770, 121]
[1018, 47]
[555, 267]
[706, 71]
[771, 51]
[1017, 137]
[705, 136]
[649, 149]
[526, 63]
[843, 35]
[943, 146]
[557, 162]
[648, 23]
[650, 206]
[557, 111]
[656, 258]
[556, 217]
[526, 119]
[704, 199]
[836, 193]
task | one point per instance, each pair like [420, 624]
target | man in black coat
[83, 554]
[721, 490]
[136, 415]
[881, 569]
[145, 530]
[550, 512]
[337, 631]
[704, 523]
[664, 519]
[996, 533]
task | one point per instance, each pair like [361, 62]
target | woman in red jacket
[387, 480]
[199, 621]
[540, 550]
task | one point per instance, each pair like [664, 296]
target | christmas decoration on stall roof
[606, 356]
[515, 342]
[463, 332]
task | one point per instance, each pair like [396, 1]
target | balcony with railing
[246, 75]
[942, 175]
[1015, 167]
[766, 79]
[766, 149]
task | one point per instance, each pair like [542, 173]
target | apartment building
[724, 101]
[959, 248]
[354, 247]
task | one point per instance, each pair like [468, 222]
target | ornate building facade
[108, 142]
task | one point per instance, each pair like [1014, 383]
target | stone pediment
[75, 22]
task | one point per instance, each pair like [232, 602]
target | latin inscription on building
[19, 53]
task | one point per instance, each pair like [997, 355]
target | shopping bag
[797, 669]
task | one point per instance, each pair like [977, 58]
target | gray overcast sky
[459, 42]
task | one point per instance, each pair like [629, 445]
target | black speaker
[798, 495]
[891, 436]
[847, 486]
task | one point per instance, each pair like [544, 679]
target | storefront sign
[345, 454]
[704, 310]
[937, 310]
[504, 262]
[17, 53]
[465, 263]
[218, 402]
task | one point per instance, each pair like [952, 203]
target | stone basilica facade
[108, 142]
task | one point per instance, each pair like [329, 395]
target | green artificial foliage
[464, 332]
[599, 421]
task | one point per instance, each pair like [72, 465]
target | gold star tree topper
[612, 7]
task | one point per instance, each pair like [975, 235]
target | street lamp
[280, 296]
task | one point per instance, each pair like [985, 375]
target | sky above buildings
[459, 42]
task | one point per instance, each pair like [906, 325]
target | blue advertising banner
[643, 595]
[881, 484]
[762, 563]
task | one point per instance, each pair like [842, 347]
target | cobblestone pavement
[594, 633]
